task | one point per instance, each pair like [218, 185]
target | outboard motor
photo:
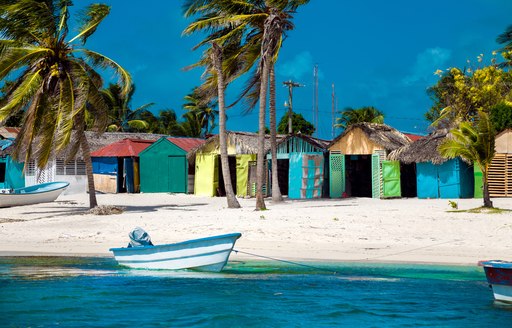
[139, 237]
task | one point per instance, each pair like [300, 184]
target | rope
[286, 261]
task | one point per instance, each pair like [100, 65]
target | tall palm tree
[350, 116]
[505, 39]
[56, 80]
[217, 64]
[473, 142]
[203, 109]
[122, 117]
[241, 26]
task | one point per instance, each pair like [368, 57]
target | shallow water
[95, 292]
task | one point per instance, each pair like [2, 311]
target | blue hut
[302, 167]
[436, 176]
[11, 172]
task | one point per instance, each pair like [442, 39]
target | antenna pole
[290, 84]
[332, 114]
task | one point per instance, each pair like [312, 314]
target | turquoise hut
[11, 172]
[164, 166]
[436, 176]
[302, 170]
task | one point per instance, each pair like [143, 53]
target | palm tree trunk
[487, 196]
[217, 63]
[260, 164]
[276, 191]
[86, 153]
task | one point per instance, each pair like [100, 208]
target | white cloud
[427, 62]
[299, 67]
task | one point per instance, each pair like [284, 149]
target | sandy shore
[354, 229]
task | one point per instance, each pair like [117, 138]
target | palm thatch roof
[96, 141]
[316, 142]
[422, 150]
[383, 135]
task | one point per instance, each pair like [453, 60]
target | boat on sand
[40, 193]
[204, 254]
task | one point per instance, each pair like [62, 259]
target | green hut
[164, 166]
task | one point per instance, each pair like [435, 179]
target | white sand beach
[352, 229]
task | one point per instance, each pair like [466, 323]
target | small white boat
[205, 254]
[499, 277]
[41, 193]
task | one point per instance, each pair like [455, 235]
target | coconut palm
[240, 25]
[473, 142]
[203, 109]
[351, 116]
[121, 117]
[55, 80]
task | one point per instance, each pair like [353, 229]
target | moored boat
[204, 254]
[41, 193]
[499, 276]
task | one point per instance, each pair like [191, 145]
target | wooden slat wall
[500, 176]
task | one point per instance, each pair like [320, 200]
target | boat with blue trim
[499, 277]
[204, 254]
[40, 193]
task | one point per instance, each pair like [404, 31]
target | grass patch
[485, 210]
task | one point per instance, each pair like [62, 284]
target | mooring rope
[286, 261]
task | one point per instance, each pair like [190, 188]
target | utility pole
[290, 84]
[332, 114]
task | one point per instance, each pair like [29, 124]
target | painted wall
[452, 179]
[355, 142]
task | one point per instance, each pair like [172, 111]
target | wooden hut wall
[105, 171]
[451, 179]
[206, 179]
[163, 168]
[500, 170]
[306, 175]
[355, 142]
[11, 174]
[242, 173]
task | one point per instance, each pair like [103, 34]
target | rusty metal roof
[9, 133]
[187, 143]
[123, 148]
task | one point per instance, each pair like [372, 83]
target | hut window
[75, 167]
[80, 167]
[30, 169]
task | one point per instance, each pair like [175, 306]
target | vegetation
[299, 124]
[351, 116]
[204, 110]
[56, 83]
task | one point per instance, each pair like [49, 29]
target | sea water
[96, 292]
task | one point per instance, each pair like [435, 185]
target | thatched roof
[319, 143]
[422, 150]
[245, 143]
[97, 141]
[383, 135]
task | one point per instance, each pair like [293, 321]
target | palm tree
[122, 118]
[56, 82]
[367, 114]
[505, 39]
[217, 64]
[203, 109]
[474, 142]
[240, 25]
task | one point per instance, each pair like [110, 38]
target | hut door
[376, 176]
[391, 179]
[177, 174]
[337, 175]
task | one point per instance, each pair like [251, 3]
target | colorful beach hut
[436, 176]
[302, 170]
[116, 166]
[242, 150]
[164, 166]
[359, 167]
[11, 172]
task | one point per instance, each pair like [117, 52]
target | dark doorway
[2, 172]
[358, 175]
[221, 191]
[283, 171]
[408, 180]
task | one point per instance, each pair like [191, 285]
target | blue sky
[377, 53]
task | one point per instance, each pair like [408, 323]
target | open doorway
[221, 190]
[283, 171]
[358, 175]
[408, 180]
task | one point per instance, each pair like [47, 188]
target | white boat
[499, 277]
[41, 193]
[205, 254]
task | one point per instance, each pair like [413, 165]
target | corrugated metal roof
[413, 137]
[123, 148]
[187, 144]
[6, 132]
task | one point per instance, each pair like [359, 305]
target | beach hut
[358, 163]
[242, 150]
[164, 166]
[302, 171]
[436, 176]
[500, 170]
[11, 172]
[116, 166]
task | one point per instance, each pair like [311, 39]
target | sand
[352, 229]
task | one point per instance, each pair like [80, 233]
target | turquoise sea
[96, 292]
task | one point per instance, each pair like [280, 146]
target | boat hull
[43, 193]
[205, 254]
[499, 277]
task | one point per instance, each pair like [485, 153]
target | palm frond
[92, 17]
[104, 62]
